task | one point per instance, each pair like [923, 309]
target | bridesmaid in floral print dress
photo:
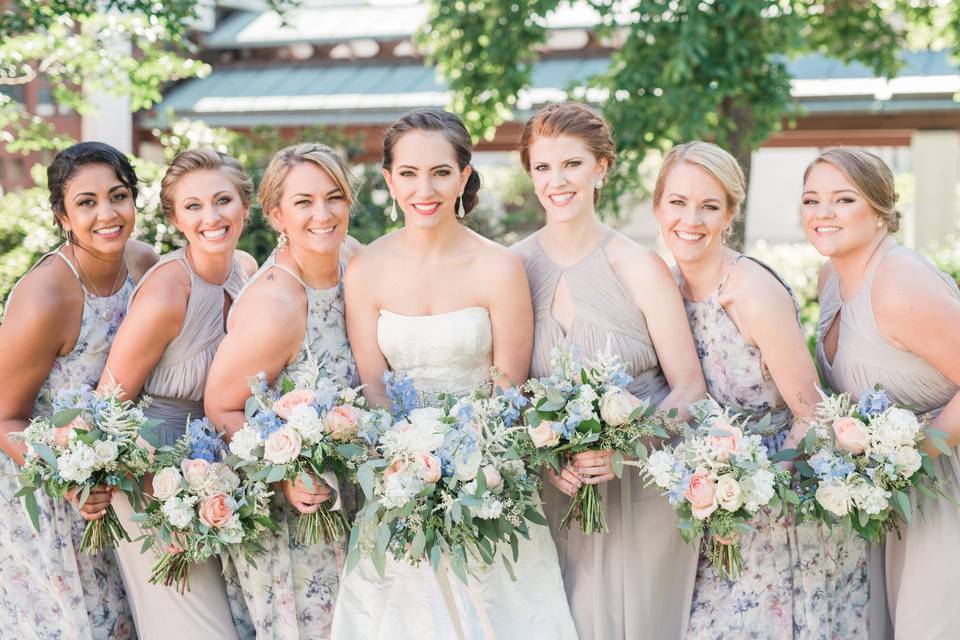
[306, 195]
[797, 582]
[60, 321]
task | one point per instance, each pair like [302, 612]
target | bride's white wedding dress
[452, 353]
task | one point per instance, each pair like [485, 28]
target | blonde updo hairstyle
[325, 157]
[870, 176]
[573, 119]
[203, 160]
[719, 165]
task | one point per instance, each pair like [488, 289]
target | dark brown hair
[67, 162]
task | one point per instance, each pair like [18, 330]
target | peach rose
[285, 404]
[396, 467]
[544, 435]
[216, 510]
[283, 446]
[702, 495]
[342, 421]
[195, 472]
[729, 442]
[428, 467]
[851, 435]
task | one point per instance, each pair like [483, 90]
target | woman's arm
[256, 341]
[363, 312]
[511, 316]
[915, 311]
[155, 317]
[764, 313]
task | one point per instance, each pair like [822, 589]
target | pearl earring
[599, 184]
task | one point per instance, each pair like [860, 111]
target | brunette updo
[456, 134]
[571, 119]
[870, 175]
[66, 164]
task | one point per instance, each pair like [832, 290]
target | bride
[443, 304]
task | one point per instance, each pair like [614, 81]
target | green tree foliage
[687, 69]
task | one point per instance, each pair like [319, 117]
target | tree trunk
[740, 114]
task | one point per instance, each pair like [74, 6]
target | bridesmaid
[306, 194]
[165, 346]
[889, 317]
[595, 288]
[56, 334]
[755, 361]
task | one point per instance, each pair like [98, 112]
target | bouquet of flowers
[716, 479]
[584, 407]
[201, 506]
[861, 461]
[90, 440]
[447, 482]
[306, 429]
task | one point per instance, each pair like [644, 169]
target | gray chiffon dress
[291, 590]
[175, 387]
[922, 564]
[636, 580]
[798, 581]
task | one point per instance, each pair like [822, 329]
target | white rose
[348, 395]
[244, 443]
[105, 452]
[466, 468]
[909, 460]
[305, 419]
[195, 472]
[729, 494]
[834, 497]
[492, 477]
[167, 483]
[179, 511]
[283, 445]
[616, 407]
[544, 435]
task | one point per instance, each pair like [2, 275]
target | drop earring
[393, 211]
[281, 241]
[460, 211]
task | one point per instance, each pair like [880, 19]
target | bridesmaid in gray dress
[164, 348]
[59, 323]
[797, 582]
[306, 195]
[889, 317]
[595, 288]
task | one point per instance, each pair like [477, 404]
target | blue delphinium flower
[327, 394]
[266, 422]
[374, 424]
[465, 414]
[205, 442]
[574, 418]
[621, 378]
[400, 392]
[515, 402]
[458, 443]
[873, 402]
[675, 494]
[81, 397]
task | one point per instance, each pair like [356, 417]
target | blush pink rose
[342, 422]
[428, 467]
[195, 472]
[285, 405]
[215, 511]
[396, 467]
[851, 435]
[729, 442]
[702, 495]
[283, 445]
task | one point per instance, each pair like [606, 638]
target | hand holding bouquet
[585, 407]
[300, 435]
[90, 441]
[447, 483]
[862, 460]
[201, 506]
[716, 479]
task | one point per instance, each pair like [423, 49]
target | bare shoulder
[277, 291]
[247, 262]
[635, 263]
[525, 248]
[141, 257]
[46, 294]
[164, 293]
[496, 261]
[756, 292]
[904, 283]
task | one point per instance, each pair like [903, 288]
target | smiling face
[100, 211]
[425, 177]
[693, 213]
[312, 210]
[836, 217]
[208, 210]
[565, 174]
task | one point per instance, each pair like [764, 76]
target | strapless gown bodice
[451, 353]
[442, 353]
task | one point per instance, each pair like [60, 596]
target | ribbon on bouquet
[449, 601]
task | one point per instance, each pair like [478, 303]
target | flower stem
[586, 507]
[103, 533]
[321, 526]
